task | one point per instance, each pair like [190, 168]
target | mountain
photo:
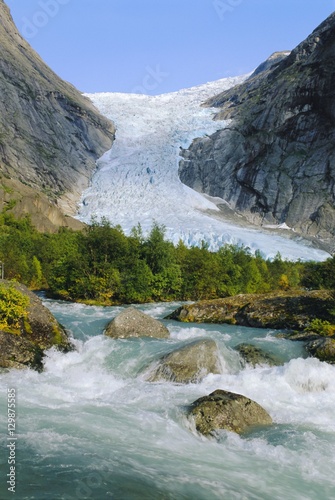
[275, 162]
[50, 134]
[137, 180]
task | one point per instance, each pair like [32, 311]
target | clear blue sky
[158, 46]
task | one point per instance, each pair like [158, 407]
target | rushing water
[91, 426]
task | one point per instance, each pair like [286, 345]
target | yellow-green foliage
[13, 307]
[37, 274]
[322, 327]
[27, 326]
[58, 337]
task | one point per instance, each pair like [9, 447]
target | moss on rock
[229, 411]
[322, 349]
[18, 352]
[292, 310]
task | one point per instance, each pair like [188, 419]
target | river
[91, 426]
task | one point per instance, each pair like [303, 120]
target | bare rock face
[229, 411]
[20, 200]
[50, 134]
[275, 162]
[133, 323]
[188, 364]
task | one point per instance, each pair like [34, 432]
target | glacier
[137, 180]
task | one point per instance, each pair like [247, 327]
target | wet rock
[188, 364]
[300, 336]
[133, 323]
[256, 356]
[229, 411]
[18, 352]
[322, 349]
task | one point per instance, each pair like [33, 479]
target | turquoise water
[91, 426]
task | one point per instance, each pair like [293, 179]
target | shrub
[321, 327]
[13, 307]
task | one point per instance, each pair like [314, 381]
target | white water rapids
[91, 426]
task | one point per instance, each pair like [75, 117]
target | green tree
[36, 281]
[167, 284]
[158, 253]
[136, 283]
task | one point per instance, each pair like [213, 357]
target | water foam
[92, 412]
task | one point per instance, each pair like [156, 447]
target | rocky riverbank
[278, 310]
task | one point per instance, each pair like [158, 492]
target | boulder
[323, 349]
[39, 330]
[190, 363]
[229, 411]
[256, 356]
[133, 323]
[18, 352]
[40, 326]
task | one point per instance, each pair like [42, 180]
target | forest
[101, 265]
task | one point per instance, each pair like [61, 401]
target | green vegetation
[321, 327]
[5, 188]
[13, 308]
[102, 265]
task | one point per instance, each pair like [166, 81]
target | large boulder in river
[229, 411]
[133, 323]
[23, 344]
[190, 363]
[292, 310]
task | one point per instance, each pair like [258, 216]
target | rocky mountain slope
[275, 162]
[50, 134]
